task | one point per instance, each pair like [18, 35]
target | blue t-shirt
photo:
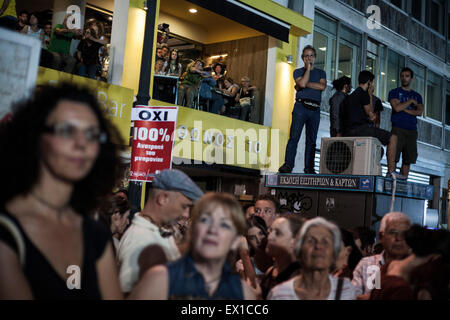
[402, 119]
[314, 76]
[187, 283]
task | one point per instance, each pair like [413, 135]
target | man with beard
[406, 106]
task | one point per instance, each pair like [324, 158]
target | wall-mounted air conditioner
[350, 156]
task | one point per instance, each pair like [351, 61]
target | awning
[254, 17]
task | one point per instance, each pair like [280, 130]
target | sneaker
[397, 175]
[285, 169]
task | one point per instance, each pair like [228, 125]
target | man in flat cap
[170, 198]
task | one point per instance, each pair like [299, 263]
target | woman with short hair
[203, 273]
[317, 249]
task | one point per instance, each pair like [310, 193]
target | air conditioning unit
[351, 156]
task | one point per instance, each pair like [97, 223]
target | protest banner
[153, 138]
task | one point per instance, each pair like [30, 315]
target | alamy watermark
[74, 280]
[374, 19]
[74, 19]
[374, 279]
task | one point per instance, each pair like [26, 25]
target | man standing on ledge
[309, 83]
[406, 106]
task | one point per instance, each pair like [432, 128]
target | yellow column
[134, 44]
[284, 94]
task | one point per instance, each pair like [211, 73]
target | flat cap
[176, 180]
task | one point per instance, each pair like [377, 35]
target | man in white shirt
[367, 275]
[171, 197]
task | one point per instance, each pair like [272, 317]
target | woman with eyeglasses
[58, 161]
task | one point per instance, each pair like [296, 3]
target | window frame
[425, 113]
[329, 55]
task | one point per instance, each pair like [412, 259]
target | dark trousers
[217, 102]
[302, 116]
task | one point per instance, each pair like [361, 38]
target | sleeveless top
[44, 281]
[36, 35]
[186, 283]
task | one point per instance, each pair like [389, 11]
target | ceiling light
[193, 10]
[323, 49]
[383, 74]
[219, 56]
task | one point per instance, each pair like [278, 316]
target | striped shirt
[366, 269]
[286, 290]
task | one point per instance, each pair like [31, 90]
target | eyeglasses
[69, 131]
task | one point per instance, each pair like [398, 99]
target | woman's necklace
[59, 209]
[209, 285]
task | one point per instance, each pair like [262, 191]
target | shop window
[447, 108]
[399, 4]
[395, 63]
[349, 54]
[325, 43]
[435, 12]
[416, 9]
[325, 46]
[296, 5]
[434, 96]
[418, 83]
[383, 73]
[372, 63]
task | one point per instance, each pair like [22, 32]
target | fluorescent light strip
[259, 13]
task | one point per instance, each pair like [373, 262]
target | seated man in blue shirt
[309, 83]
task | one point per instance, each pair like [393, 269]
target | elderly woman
[65, 163]
[317, 249]
[217, 226]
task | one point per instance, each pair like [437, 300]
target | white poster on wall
[19, 62]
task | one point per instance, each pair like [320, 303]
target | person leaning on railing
[190, 83]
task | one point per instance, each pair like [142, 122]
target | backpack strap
[15, 232]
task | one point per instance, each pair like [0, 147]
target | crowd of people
[64, 235]
[91, 56]
[355, 114]
[201, 85]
